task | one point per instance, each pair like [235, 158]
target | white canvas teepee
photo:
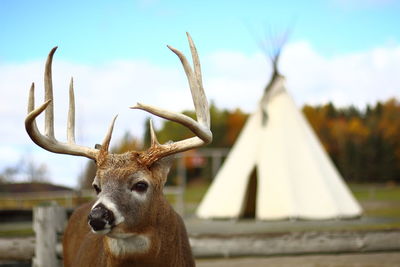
[278, 169]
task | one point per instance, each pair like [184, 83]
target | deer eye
[97, 188]
[140, 187]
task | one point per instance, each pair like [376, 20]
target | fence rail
[69, 199]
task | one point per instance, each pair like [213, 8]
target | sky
[343, 51]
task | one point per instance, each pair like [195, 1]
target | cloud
[232, 79]
[100, 92]
[353, 79]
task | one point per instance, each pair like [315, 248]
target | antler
[48, 140]
[201, 127]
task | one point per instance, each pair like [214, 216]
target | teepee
[278, 169]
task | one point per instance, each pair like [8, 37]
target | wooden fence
[49, 222]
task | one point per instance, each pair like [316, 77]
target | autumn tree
[236, 120]
[364, 144]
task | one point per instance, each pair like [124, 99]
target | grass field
[378, 200]
[376, 192]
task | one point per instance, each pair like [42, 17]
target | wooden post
[47, 222]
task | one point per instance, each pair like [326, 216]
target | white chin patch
[101, 232]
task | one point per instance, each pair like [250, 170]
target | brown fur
[169, 245]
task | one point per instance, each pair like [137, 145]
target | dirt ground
[387, 259]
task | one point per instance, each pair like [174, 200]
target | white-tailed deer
[130, 223]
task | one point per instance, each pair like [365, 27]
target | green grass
[17, 233]
[378, 200]
[194, 194]
[376, 192]
[386, 212]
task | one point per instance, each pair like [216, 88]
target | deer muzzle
[101, 219]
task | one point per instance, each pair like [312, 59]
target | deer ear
[161, 168]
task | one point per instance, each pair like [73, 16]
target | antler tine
[48, 89]
[200, 128]
[48, 141]
[202, 109]
[71, 114]
[31, 98]
[195, 82]
[106, 142]
[32, 112]
[154, 140]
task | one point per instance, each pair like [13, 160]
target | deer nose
[101, 218]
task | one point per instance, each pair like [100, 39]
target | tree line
[364, 144]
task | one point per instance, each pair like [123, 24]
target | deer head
[129, 186]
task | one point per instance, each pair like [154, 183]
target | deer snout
[100, 218]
